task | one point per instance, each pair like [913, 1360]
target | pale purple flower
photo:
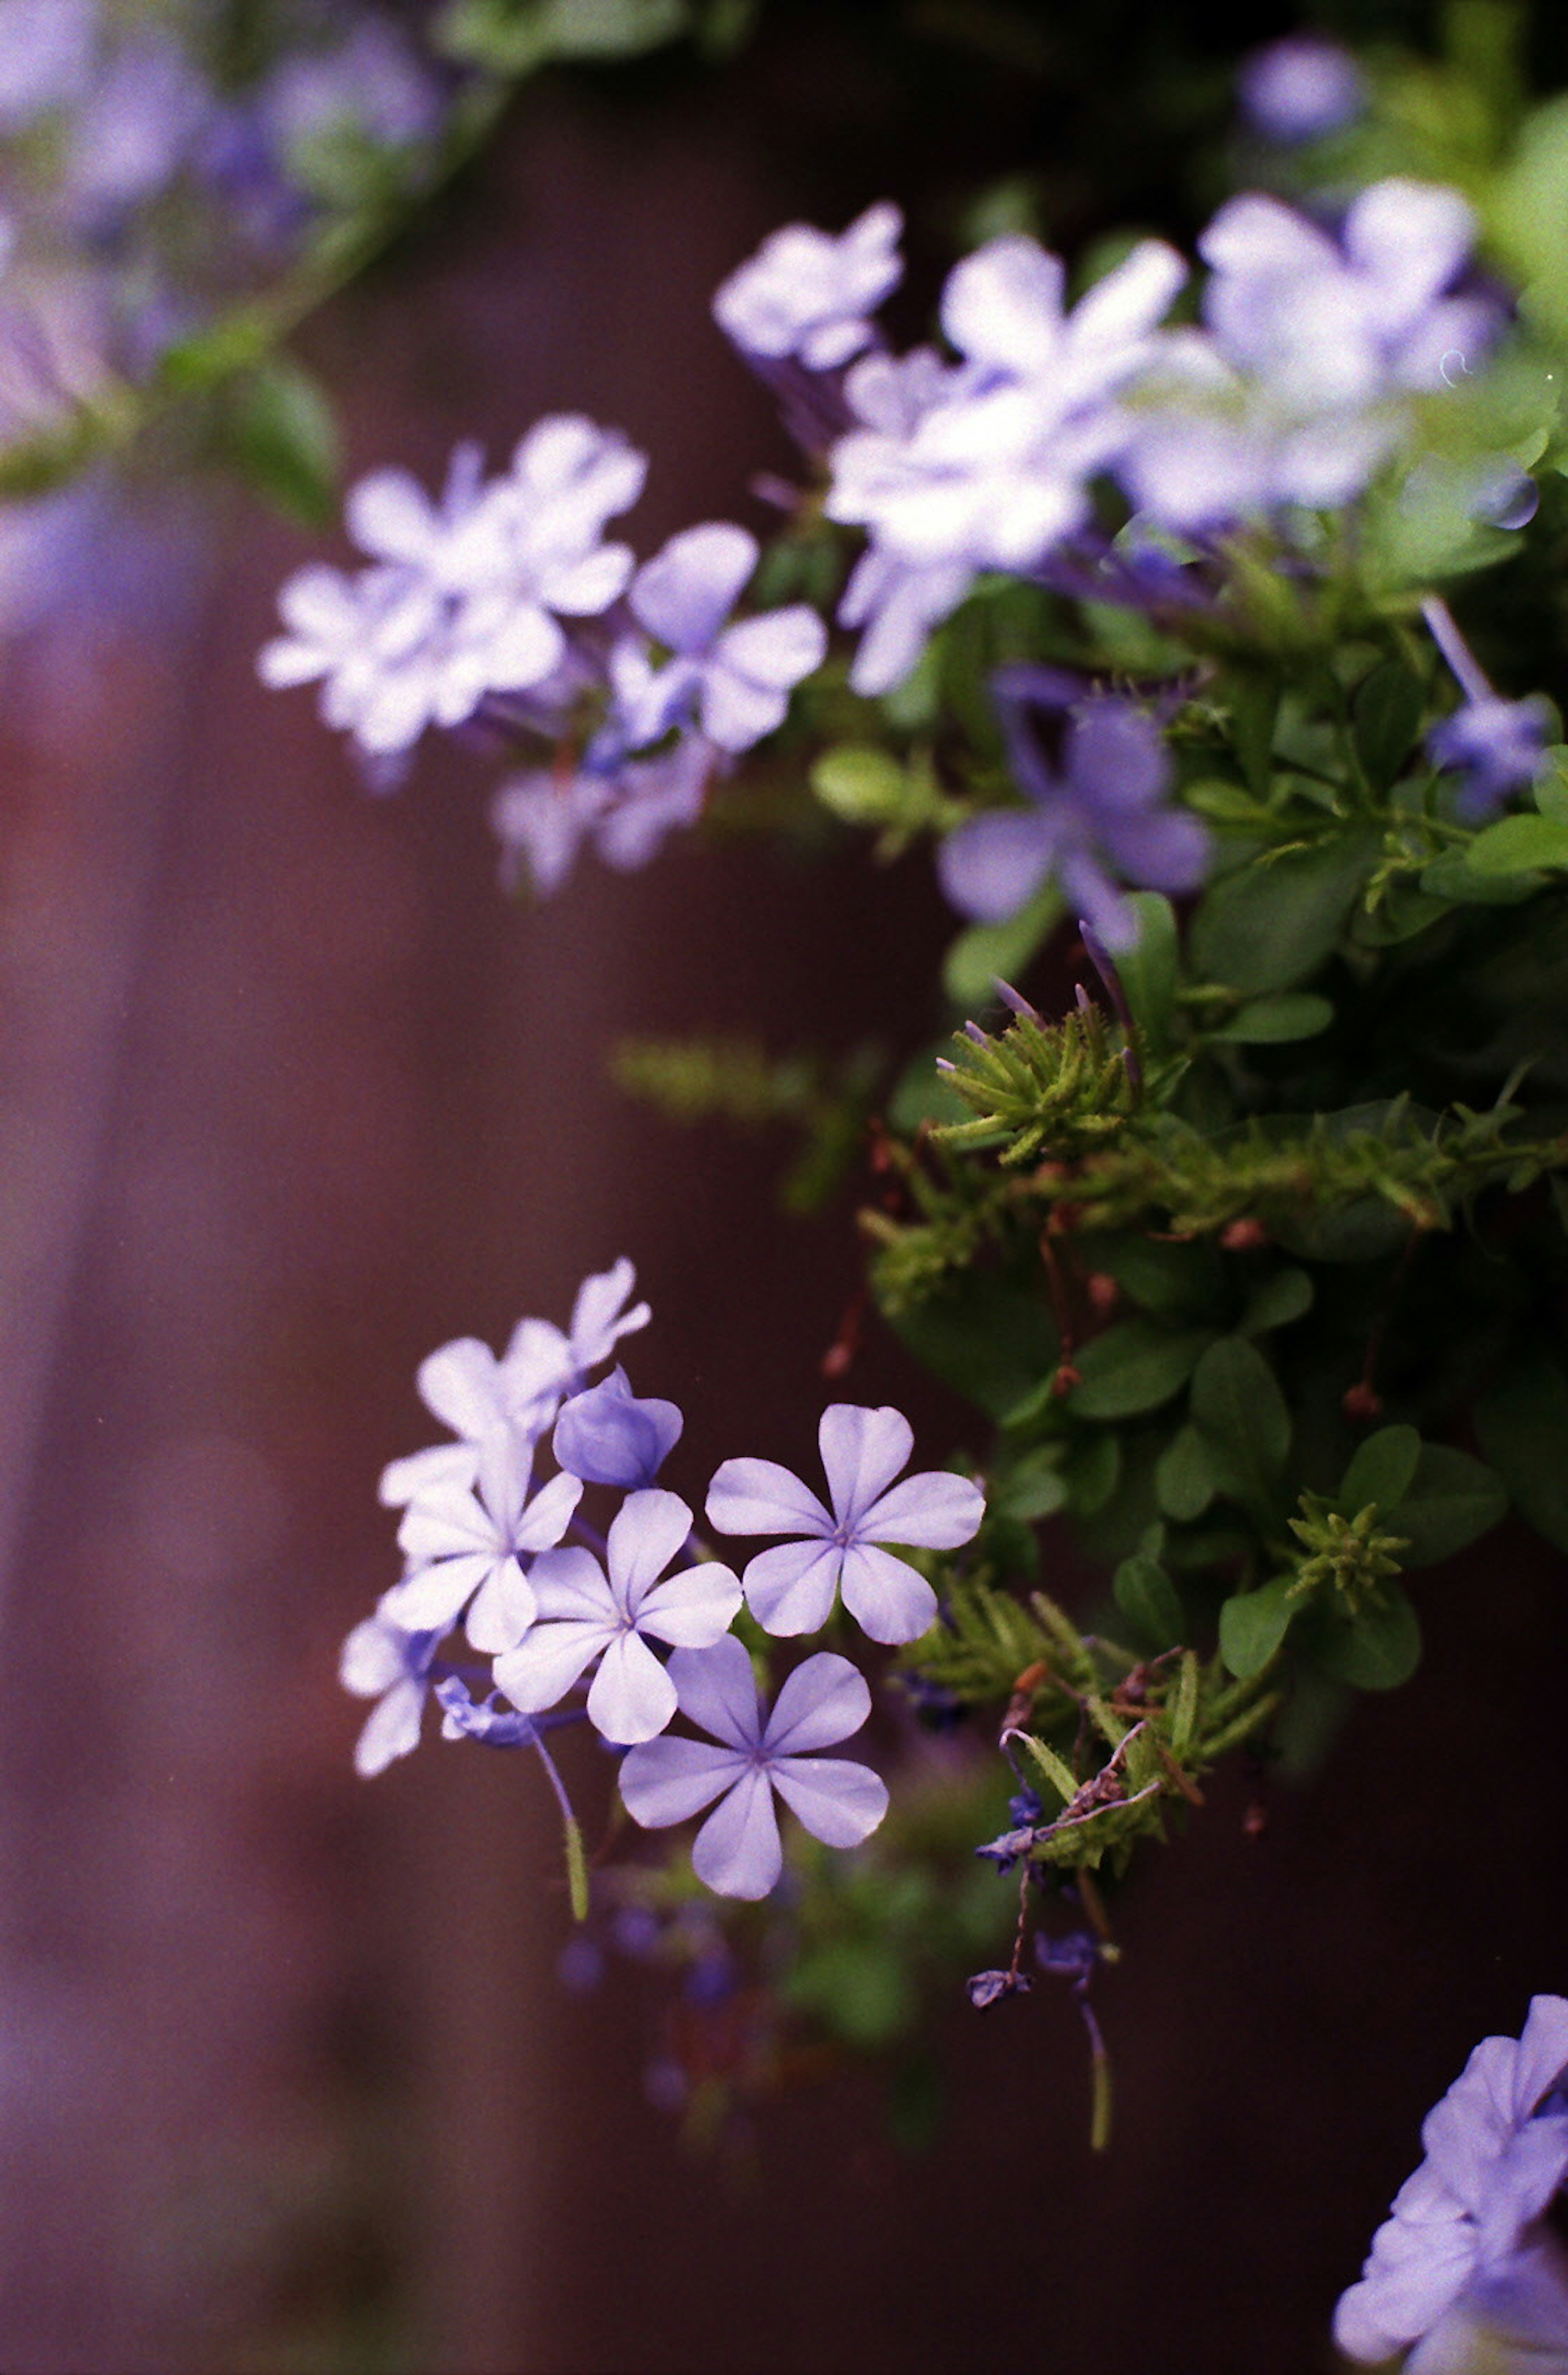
[1498, 746]
[1094, 818]
[543, 817]
[585, 1616]
[807, 294]
[737, 1851]
[1300, 88]
[735, 680]
[371, 84]
[465, 1546]
[383, 1661]
[134, 129]
[791, 1587]
[990, 469]
[607, 1436]
[467, 595]
[1463, 2246]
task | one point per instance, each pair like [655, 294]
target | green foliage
[736, 1081]
[1059, 1085]
[275, 426]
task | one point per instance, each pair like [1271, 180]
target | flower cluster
[485, 1545]
[1464, 2271]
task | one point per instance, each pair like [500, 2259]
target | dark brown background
[290, 1094]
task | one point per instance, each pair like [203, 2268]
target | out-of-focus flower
[1096, 818]
[543, 817]
[1461, 2267]
[791, 1587]
[371, 84]
[737, 1851]
[1498, 746]
[383, 1661]
[990, 469]
[1300, 88]
[46, 57]
[736, 679]
[585, 1614]
[466, 1547]
[468, 594]
[809, 295]
[606, 1437]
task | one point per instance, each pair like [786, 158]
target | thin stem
[1474, 683]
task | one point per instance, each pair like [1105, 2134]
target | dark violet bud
[987, 1987]
[1073, 1958]
[607, 1436]
[580, 1964]
[636, 1931]
[1003, 1852]
[710, 1979]
[1026, 1807]
[1016, 1002]
[1300, 88]
[465, 1717]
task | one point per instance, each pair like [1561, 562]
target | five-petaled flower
[585, 1614]
[1463, 2255]
[466, 1547]
[737, 1851]
[790, 1588]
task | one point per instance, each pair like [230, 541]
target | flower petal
[649, 1528]
[862, 1451]
[718, 1690]
[392, 1728]
[683, 595]
[569, 1585]
[503, 1608]
[736, 1851]
[790, 1588]
[821, 1702]
[694, 1609]
[840, 1802]
[887, 1599]
[935, 1511]
[665, 1780]
[543, 1667]
[631, 1696]
[757, 1496]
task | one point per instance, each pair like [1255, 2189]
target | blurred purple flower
[737, 1851]
[1300, 88]
[1096, 815]
[791, 1587]
[1462, 2257]
[542, 818]
[467, 1545]
[736, 679]
[1499, 747]
[383, 1661]
[607, 1436]
[585, 1614]
[808, 295]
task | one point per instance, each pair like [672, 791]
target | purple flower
[383, 1661]
[1300, 88]
[737, 679]
[791, 1587]
[1498, 746]
[467, 1545]
[607, 1436]
[466, 1718]
[542, 818]
[1463, 2249]
[585, 1615]
[46, 57]
[1095, 816]
[737, 1851]
[807, 294]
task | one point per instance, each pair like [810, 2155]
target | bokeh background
[288, 1095]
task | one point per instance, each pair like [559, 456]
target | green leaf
[1270, 1021]
[278, 430]
[1149, 1600]
[514, 36]
[1183, 1480]
[1134, 1366]
[862, 785]
[1383, 1470]
[1271, 924]
[1376, 1650]
[1147, 970]
[1450, 877]
[989, 1335]
[1523, 1426]
[1093, 1474]
[1452, 1502]
[1035, 1488]
[988, 954]
[1240, 1412]
[1175, 1282]
[1389, 707]
[1253, 1624]
[1285, 1296]
[1519, 844]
